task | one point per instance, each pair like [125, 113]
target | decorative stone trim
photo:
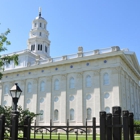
[115, 48]
[50, 60]
[80, 54]
[37, 62]
[64, 57]
[96, 51]
[80, 49]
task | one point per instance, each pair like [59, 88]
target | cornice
[77, 60]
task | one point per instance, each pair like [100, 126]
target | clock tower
[38, 41]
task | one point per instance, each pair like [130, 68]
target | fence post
[94, 128]
[125, 125]
[86, 129]
[2, 126]
[116, 123]
[14, 128]
[102, 125]
[131, 127]
[109, 126]
[67, 132]
[27, 129]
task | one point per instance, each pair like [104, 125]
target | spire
[39, 11]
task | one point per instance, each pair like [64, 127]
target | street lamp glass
[15, 91]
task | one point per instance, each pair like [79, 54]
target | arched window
[89, 114]
[106, 79]
[6, 90]
[29, 87]
[71, 83]
[56, 84]
[56, 115]
[41, 115]
[42, 86]
[71, 114]
[88, 81]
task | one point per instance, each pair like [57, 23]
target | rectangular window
[40, 47]
[35, 25]
[40, 33]
[45, 49]
[32, 47]
[40, 24]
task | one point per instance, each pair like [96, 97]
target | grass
[71, 137]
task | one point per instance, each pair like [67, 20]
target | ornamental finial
[39, 11]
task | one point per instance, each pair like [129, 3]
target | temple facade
[75, 87]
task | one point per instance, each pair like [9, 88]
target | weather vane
[39, 11]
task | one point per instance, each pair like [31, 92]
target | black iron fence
[116, 126]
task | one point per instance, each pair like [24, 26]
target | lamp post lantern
[15, 93]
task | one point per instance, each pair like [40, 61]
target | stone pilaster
[79, 98]
[115, 81]
[97, 94]
[63, 99]
[49, 101]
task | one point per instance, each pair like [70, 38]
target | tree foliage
[6, 110]
[6, 59]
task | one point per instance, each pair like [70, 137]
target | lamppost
[15, 93]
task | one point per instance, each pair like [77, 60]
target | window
[71, 114]
[41, 115]
[40, 33]
[40, 47]
[6, 90]
[55, 115]
[42, 86]
[40, 24]
[45, 49]
[88, 81]
[106, 79]
[56, 84]
[29, 88]
[89, 114]
[32, 47]
[71, 83]
[34, 24]
[45, 26]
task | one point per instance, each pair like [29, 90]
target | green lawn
[71, 137]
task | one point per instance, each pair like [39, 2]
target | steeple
[38, 41]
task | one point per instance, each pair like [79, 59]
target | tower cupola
[38, 41]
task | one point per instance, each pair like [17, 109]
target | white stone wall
[121, 90]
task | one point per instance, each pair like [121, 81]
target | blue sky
[93, 24]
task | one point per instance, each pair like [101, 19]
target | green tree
[6, 110]
[5, 59]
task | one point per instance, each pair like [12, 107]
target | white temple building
[73, 87]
